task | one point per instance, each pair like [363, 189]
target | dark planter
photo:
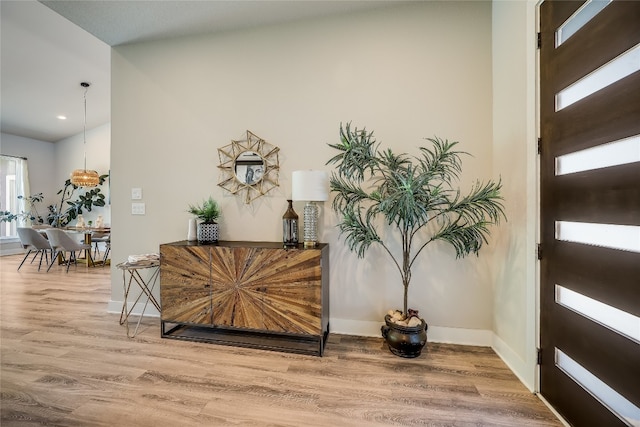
[208, 232]
[404, 341]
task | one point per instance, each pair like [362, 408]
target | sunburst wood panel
[185, 284]
[269, 289]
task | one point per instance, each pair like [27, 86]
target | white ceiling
[44, 58]
[124, 22]
[49, 47]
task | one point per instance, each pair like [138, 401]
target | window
[14, 182]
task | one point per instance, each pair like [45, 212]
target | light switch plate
[137, 208]
[136, 193]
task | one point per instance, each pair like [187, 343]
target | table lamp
[310, 186]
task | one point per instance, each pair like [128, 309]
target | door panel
[598, 42]
[579, 336]
[604, 274]
[185, 288]
[580, 356]
[603, 195]
[267, 289]
[593, 122]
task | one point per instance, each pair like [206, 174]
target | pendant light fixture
[84, 177]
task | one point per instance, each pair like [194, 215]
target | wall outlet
[136, 193]
[137, 208]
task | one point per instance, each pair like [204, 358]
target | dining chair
[106, 251]
[61, 242]
[97, 238]
[34, 242]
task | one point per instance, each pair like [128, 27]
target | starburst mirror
[249, 167]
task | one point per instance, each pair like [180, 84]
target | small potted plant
[413, 199]
[208, 213]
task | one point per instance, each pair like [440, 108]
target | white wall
[39, 156]
[514, 156]
[42, 168]
[69, 155]
[409, 72]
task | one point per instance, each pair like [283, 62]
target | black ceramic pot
[404, 341]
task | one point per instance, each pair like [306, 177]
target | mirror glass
[249, 167]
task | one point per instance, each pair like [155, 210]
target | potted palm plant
[414, 198]
[208, 213]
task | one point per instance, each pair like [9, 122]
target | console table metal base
[291, 343]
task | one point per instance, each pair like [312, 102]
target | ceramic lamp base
[310, 225]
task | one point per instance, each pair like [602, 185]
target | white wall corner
[520, 367]
[515, 156]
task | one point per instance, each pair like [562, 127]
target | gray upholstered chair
[61, 242]
[33, 242]
[98, 237]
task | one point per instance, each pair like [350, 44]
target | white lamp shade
[309, 185]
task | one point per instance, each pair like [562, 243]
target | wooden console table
[250, 294]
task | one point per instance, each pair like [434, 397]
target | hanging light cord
[84, 177]
[84, 129]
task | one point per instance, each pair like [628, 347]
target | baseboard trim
[116, 308]
[552, 409]
[10, 251]
[441, 334]
[517, 365]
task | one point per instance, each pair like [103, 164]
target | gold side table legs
[146, 286]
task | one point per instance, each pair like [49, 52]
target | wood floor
[66, 362]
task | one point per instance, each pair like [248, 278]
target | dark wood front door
[590, 211]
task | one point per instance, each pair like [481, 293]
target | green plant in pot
[67, 210]
[208, 213]
[413, 199]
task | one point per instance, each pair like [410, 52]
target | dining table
[86, 231]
